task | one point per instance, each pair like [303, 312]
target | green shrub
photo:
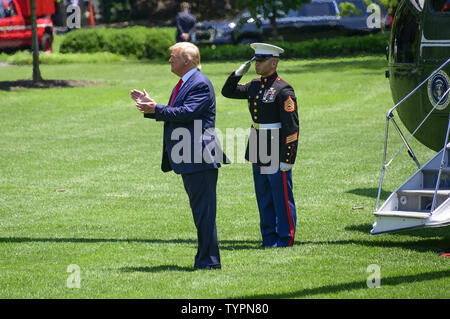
[83, 41]
[140, 42]
[153, 43]
[369, 44]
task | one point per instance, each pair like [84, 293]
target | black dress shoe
[208, 267]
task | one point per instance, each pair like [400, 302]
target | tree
[35, 43]
[391, 5]
[347, 8]
[269, 9]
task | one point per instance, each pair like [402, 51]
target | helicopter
[418, 70]
[420, 43]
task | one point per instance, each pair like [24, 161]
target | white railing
[390, 117]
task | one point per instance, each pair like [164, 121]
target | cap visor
[261, 57]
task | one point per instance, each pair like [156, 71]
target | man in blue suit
[190, 147]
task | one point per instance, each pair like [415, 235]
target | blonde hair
[189, 52]
[185, 6]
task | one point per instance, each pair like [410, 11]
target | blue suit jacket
[190, 144]
[185, 24]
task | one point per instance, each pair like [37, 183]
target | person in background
[185, 23]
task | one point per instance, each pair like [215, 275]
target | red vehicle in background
[15, 24]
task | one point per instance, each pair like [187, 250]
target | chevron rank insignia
[289, 105]
[292, 138]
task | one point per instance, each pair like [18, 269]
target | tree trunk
[60, 14]
[35, 44]
[273, 22]
[82, 12]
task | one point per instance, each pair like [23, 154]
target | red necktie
[175, 92]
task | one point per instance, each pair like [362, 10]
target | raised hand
[144, 102]
[243, 68]
[139, 96]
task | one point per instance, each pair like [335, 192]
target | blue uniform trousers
[201, 190]
[276, 207]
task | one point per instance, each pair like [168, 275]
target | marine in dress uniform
[274, 135]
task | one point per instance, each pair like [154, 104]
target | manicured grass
[129, 228]
[26, 57]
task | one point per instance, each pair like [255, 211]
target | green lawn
[129, 228]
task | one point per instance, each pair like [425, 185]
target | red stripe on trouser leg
[288, 207]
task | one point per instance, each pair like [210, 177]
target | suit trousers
[201, 190]
[276, 207]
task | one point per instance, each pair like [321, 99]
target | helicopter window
[406, 37]
[440, 5]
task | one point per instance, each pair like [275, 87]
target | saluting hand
[243, 68]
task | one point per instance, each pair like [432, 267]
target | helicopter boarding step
[410, 206]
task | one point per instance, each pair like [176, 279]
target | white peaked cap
[266, 49]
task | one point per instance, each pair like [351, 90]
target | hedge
[153, 43]
[368, 44]
[141, 42]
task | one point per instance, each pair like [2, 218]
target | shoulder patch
[289, 104]
[282, 82]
